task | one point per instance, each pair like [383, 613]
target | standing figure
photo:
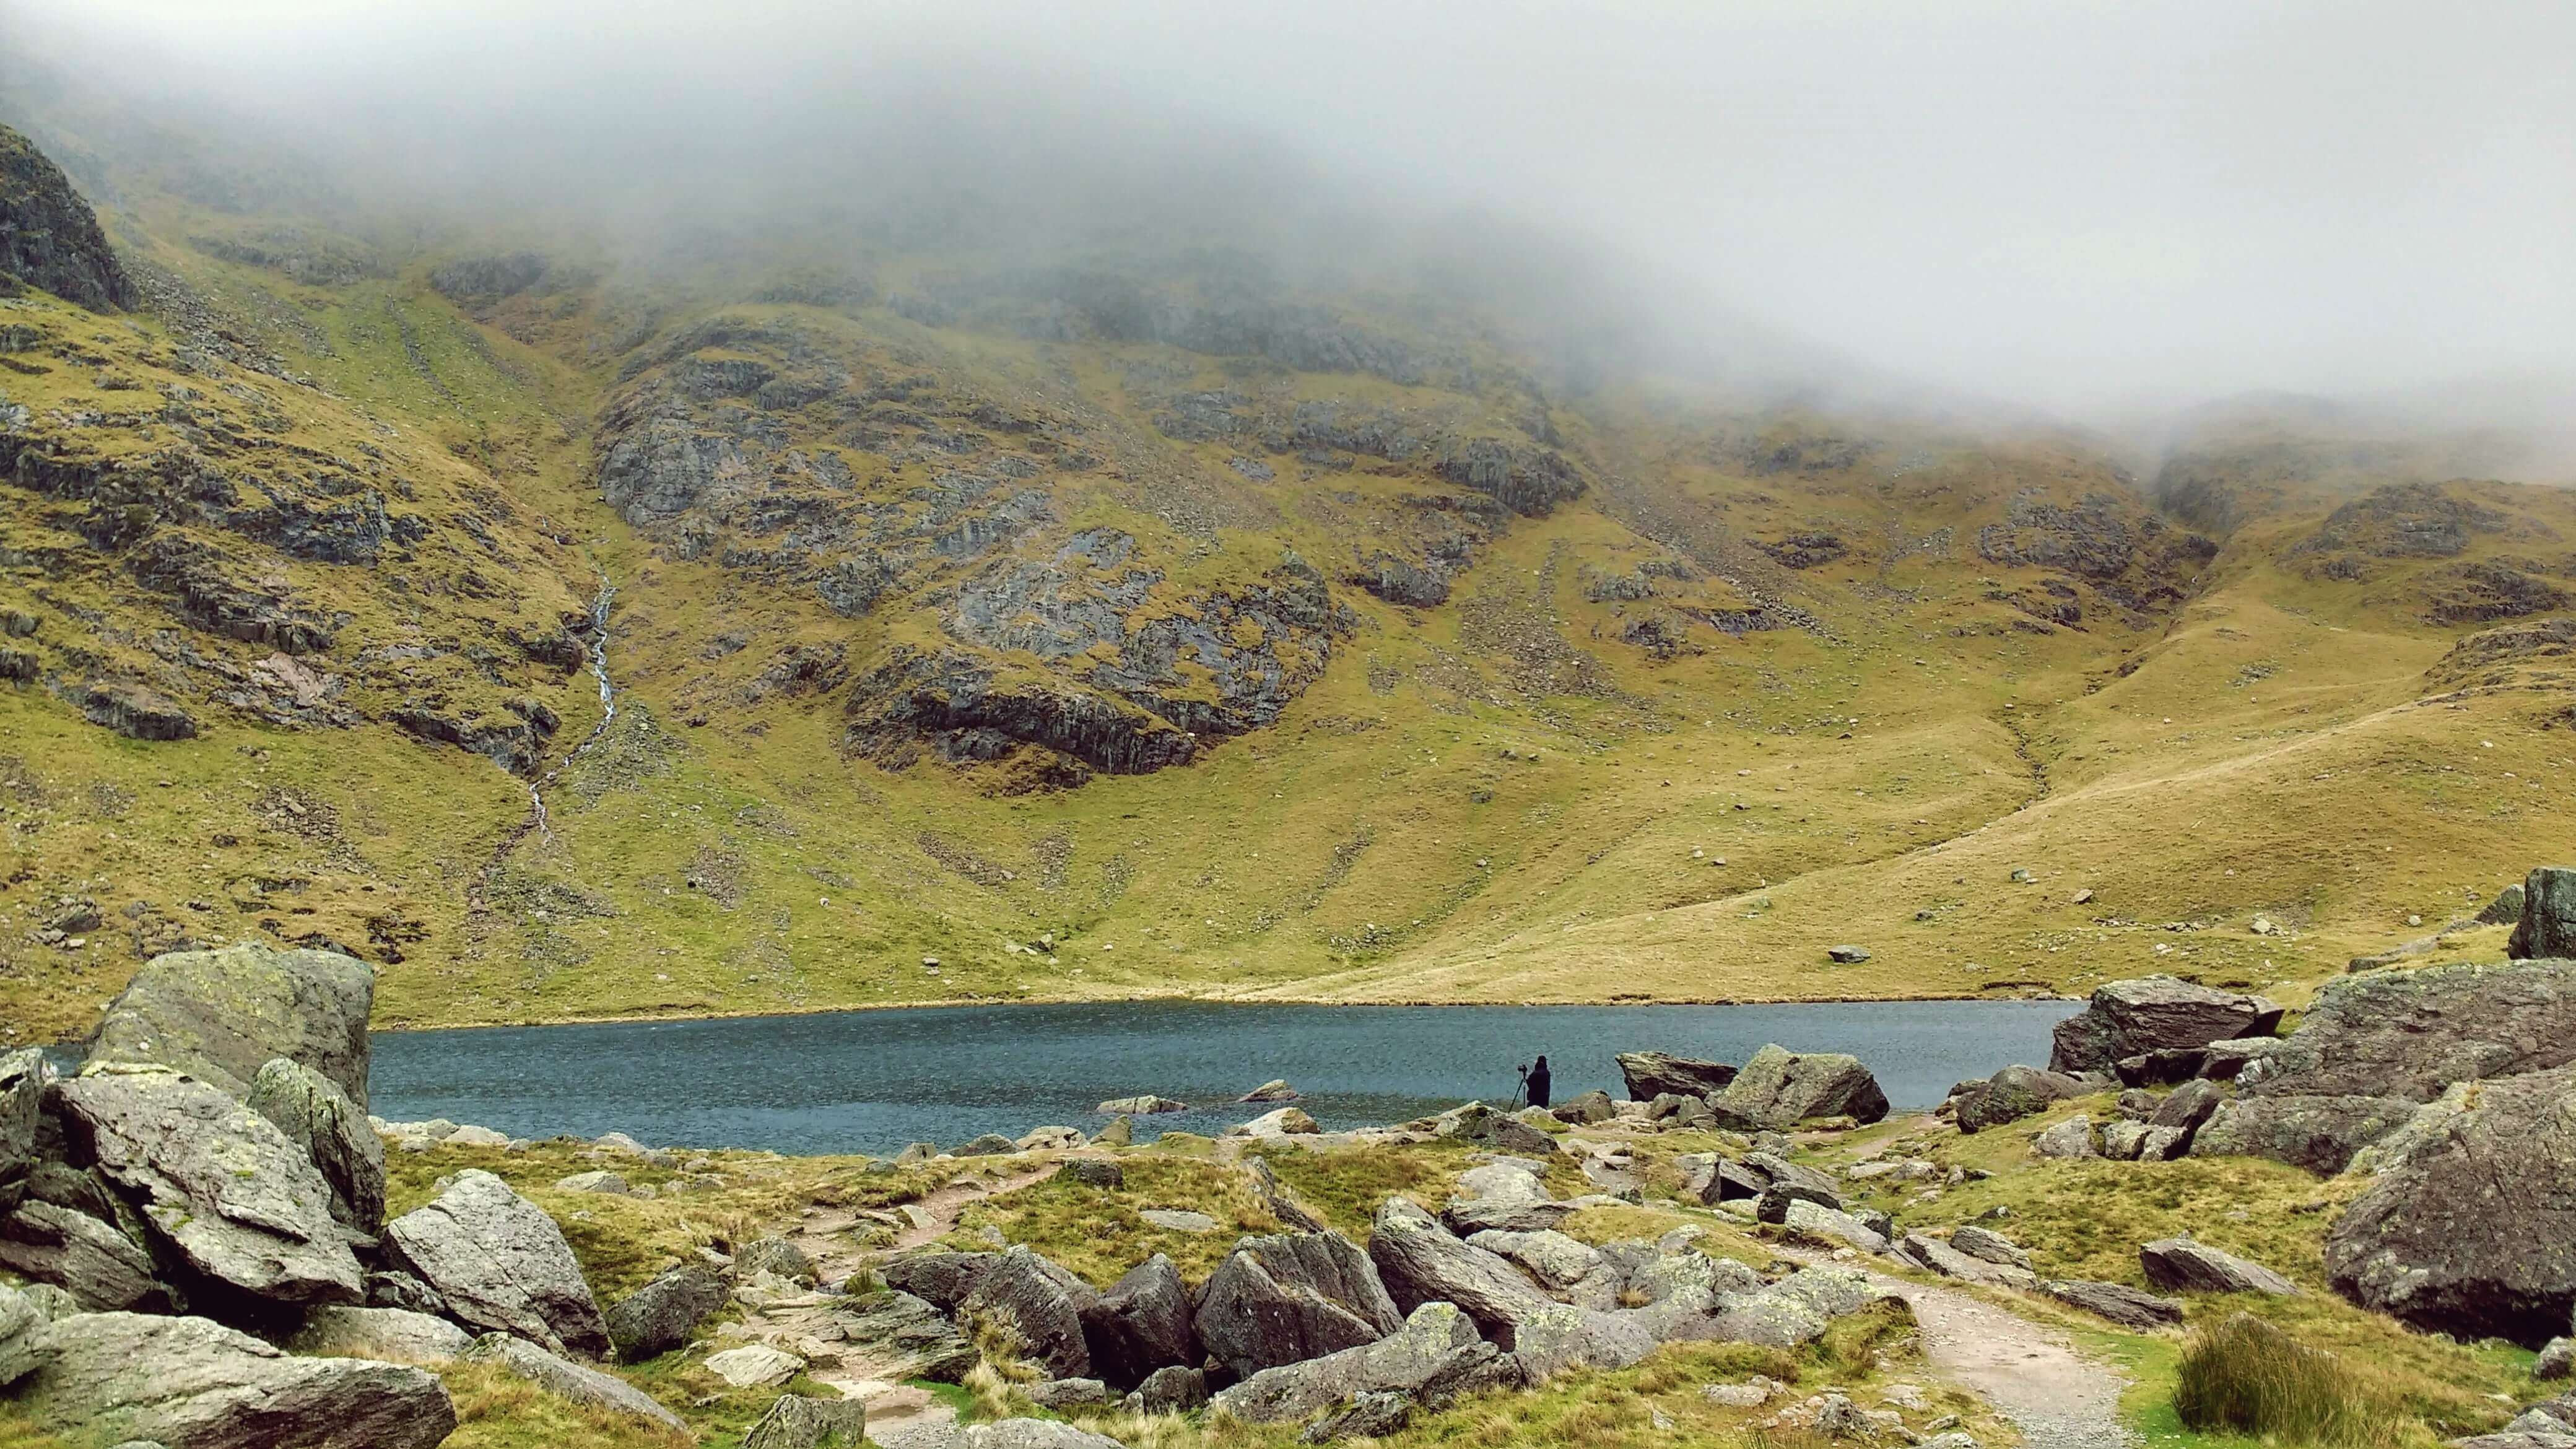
[1538, 1083]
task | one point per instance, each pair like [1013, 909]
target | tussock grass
[2245, 1376]
[1098, 1233]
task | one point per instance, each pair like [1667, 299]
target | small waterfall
[598, 647]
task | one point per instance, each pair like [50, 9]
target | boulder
[1035, 1434]
[598, 1180]
[2012, 1094]
[755, 1366]
[1949, 1261]
[1375, 1414]
[192, 1383]
[1094, 1172]
[1142, 1324]
[1051, 1139]
[2547, 927]
[2179, 1265]
[1421, 1262]
[499, 1263]
[1773, 1205]
[658, 1317]
[1559, 1337]
[2188, 1106]
[1144, 1106]
[1573, 1271]
[1059, 1395]
[1503, 1197]
[1823, 1222]
[318, 1117]
[2320, 1134]
[2557, 1360]
[1434, 1343]
[2070, 1138]
[1679, 1111]
[2117, 1302]
[1273, 1090]
[221, 1015]
[896, 1336]
[2155, 1013]
[578, 1382]
[1652, 1074]
[1501, 1131]
[2470, 1226]
[1172, 1390]
[1120, 1132]
[103, 1270]
[941, 1279]
[991, 1144]
[1285, 1122]
[1290, 1297]
[1990, 1245]
[2161, 1068]
[774, 1255]
[2413, 1034]
[22, 1335]
[1778, 1089]
[2124, 1139]
[794, 1421]
[1042, 1304]
[1592, 1106]
[2225, 1061]
[24, 1076]
[389, 1334]
[230, 1199]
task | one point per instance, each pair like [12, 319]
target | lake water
[872, 1081]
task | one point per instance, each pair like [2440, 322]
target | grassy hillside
[987, 633]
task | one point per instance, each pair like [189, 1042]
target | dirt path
[2032, 1374]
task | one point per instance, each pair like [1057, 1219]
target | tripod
[1520, 1093]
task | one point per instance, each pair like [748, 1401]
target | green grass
[2244, 1376]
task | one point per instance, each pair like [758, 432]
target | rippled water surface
[872, 1081]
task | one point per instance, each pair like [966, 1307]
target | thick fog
[2091, 207]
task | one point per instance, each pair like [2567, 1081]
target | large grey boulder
[895, 1336]
[1436, 1341]
[500, 1264]
[1652, 1074]
[1504, 1196]
[1292, 1296]
[1572, 1271]
[104, 1270]
[2318, 1133]
[578, 1382]
[797, 1422]
[23, 1079]
[1946, 1259]
[1042, 1304]
[1560, 1336]
[191, 1383]
[393, 1335]
[1777, 1089]
[2012, 1094]
[2180, 1265]
[317, 1116]
[2470, 1227]
[2118, 1302]
[2548, 924]
[2413, 1034]
[940, 1279]
[1501, 1131]
[22, 1334]
[1817, 1221]
[657, 1317]
[224, 1192]
[1171, 1390]
[221, 1015]
[2155, 1013]
[1421, 1262]
[1035, 1434]
[1141, 1324]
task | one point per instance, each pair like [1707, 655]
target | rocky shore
[213, 1244]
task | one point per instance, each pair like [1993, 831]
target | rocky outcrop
[1436, 1342]
[2012, 1094]
[1291, 1297]
[2183, 1266]
[49, 237]
[191, 1383]
[657, 1317]
[24, 1076]
[318, 1117]
[1777, 1089]
[578, 1382]
[1651, 1074]
[1141, 1325]
[797, 1422]
[22, 1332]
[896, 1336]
[2470, 1226]
[103, 1269]
[233, 1202]
[2117, 1302]
[380, 1333]
[221, 1015]
[2548, 923]
[2155, 1013]
[1042, 1305]
[1421, 1262]
[2319, 1133]
[500, 1264]
[940, 1279]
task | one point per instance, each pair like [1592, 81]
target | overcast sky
[2076, 205]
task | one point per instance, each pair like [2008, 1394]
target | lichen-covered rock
[1042, 1304]
[1290, 1297]
[221, 1015]
[2012, 1094]
[1948, 1260]
[1169, 1391]
[2071, 1138]
[657, 1317]
[104, 1270]
[1574, 1271]
[774, 1255]
[2470, 1226]
[2183, 1266]
[1651, 1074]
[1777, 1089]
[2155, 1013]
[797, 1422]
[1436, 1339]
[2117, 1302]
[2547, 927]
[49, 237]
[754, 1366]
[578, 1382]
[1559, 1337]
[2321, 1134]
[191, 1383]
[1141, 1325]
[499, 1263]
[317, 1116]
[940, 1279]
[227, 1195]
[896, 1336]
[390, 1334]
[1421, 1262]
[23, 1079]
[22, 1333]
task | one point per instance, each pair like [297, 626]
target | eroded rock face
[191, 1383]
[221, 1015]
[104, 1270]
[1141, 1325]
[896, 1336]
[1777, 1089]
[1651, 1074]
[23, 1079]
[1043, 1304]
[225, 1192]
[380, 1333]
[2181, 1265]
[2319, 1133]
[1422, 1262]
[2155, 1013]
[1290, 1297]
[49, 237]
[501, 1264]
[2548, 923]
[657, 1317]
[317, 1116]
[2470, 1228]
